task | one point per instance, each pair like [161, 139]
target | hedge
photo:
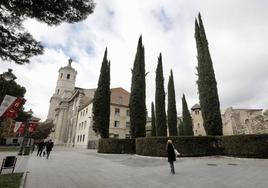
[249, 146]
[186, 145]
[113, 145]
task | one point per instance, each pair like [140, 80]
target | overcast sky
[236, 31]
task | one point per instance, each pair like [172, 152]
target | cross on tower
[70, 62]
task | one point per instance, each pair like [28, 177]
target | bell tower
[64, 87]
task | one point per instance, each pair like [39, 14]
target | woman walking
[171, 155]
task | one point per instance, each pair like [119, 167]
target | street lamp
[8, 76]
[26, 135]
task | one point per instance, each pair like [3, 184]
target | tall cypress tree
[172, 111]
[207, 85]
[101, 101]
[153, 133]
[186, 118]
[160, 110]
[181, 132]
[137, 105]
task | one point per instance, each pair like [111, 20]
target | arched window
[68, 76]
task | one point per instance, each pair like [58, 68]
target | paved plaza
[80, 168]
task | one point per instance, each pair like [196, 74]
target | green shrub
[113, 145]
[250, 146]
[186, 145]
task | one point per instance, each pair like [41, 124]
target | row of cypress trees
[207, 88]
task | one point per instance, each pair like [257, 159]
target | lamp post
[26, 135]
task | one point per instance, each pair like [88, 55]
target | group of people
[44, 148]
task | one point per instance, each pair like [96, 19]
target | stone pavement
[80, 168]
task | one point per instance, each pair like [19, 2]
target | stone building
[244, 121]
[67, 102]
[119, 120]
[234, 121]
[197, 118]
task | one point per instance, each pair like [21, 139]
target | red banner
[21, 129]
[14, 108]
[33, 126]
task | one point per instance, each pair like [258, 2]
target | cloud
[236, 32]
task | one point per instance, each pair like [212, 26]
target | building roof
[196, 106]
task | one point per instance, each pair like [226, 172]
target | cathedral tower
[64, 88]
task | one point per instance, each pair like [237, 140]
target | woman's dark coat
[171, 153]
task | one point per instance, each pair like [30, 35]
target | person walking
[171, 155]
[49, 147]
[40, 146]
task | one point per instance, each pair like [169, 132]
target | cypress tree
[207, 85]
[137, 105]
[101, 101]
[153, 133]
[172, 111]
[181, 132]
[186, 118]
[160, 111]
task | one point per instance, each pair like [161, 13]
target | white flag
[6, 103]
[17, 126]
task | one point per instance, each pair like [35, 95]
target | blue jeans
[171, 163]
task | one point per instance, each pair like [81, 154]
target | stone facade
[69, 101]
[197, 118]
[244, 121]
[234, 121]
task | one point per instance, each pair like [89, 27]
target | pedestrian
[171, 155]
[40, 147]
[49, 147]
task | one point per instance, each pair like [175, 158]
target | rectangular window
[86, 110]
[196, 112]
[127, 124]
[116, 123]
[77, 138]
[116, 136]
[68, 76]
[85, 124]
[83, 137]
[117, 111]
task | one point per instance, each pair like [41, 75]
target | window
[127, 112]
[85, 124]
[68, 76]
[14, 141]
[58, 91]
[61, 75]
[198, 125]
[116, 123]
[127, 124]
[77, 138]
[197, 112]
[246, 121]
[83, 137]
[117, 111]
[195, 131]
[116, 136]
[86, 110]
